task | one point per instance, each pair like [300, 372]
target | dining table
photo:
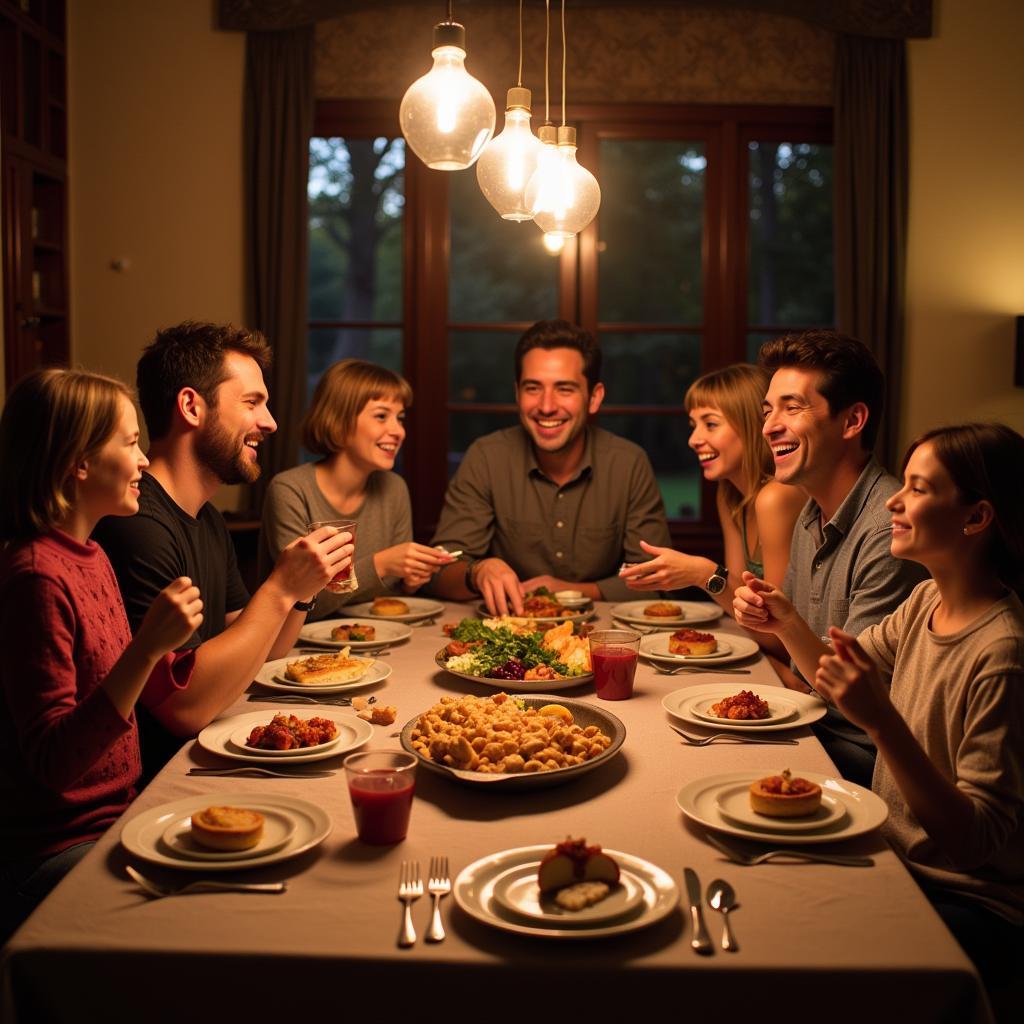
[838, 943]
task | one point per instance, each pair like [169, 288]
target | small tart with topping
[663, 610]
[689, 641]
[227, 828]
[783, 796]
[572, 862]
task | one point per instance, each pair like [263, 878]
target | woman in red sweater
[70, 671]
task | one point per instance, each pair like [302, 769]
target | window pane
[664, 439]
[790, 234]
[381, 345]
[356, 205]
[465, 427]
[481, 367]
[498, 270]
[651, 222]
[649, 369]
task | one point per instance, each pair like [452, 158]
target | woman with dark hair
[356, 423]
[755, 512]
[939, 684]
[70, 670]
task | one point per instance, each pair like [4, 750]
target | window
[715, 233]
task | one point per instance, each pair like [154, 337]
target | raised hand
[309, 563]
[667, 570]
[414, 563]
[175, 614]
[849, 679]
[761, 606]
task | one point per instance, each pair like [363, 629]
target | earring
[965, 531]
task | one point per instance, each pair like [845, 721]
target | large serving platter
[584, 714]
[548, 685]
[702, 800]
[546, 621]
[475, 892]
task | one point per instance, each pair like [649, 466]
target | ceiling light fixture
[563, 195]
[447, 116]
[509, 159]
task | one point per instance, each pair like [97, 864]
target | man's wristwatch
[717, 580]
[305, 606]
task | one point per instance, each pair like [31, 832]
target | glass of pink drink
[343, 582]
[613, 654]
[381, 784]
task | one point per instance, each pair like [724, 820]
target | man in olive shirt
[553, 502]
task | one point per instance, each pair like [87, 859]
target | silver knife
[701, 941]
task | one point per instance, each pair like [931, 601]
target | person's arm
[226, 664]
[776, 509]
[645, 522]
[968, 819]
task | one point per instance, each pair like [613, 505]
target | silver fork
[703, 741]
[750, 859]
[158, 891]
[410, 889]
[686, 669]
[438, 885]
[253, 769]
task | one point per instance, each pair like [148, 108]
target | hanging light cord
[547, 59]
[563, 63]
[451, 12]
[519, 81]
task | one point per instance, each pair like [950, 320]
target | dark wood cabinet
[33, 186]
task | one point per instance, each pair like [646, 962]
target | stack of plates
[385, 634]
[162, 835]
[722, 803]
[272, 676]
[501, 891]
[788, 709]
[693, 613]
[420, 608]
[730, 648]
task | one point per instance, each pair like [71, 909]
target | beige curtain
[278, 123]
[871, 173]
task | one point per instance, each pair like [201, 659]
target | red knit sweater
[68, 760]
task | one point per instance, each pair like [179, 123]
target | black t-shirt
[151, 549]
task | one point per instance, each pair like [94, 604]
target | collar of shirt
[846, 515]
[585, 467]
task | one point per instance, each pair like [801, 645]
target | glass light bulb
[563, 195]
[553, 243]
[447, 116]
[507, 164]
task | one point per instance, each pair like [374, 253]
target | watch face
[715, 585]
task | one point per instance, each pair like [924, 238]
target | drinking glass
[381, 784]
[613, 654]
[344, 581]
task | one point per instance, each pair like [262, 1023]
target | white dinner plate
[216, 737]
[239, 737]
[681, 704]
[521, 685]
[731, 648]
[779, 710]
[517, 890]
[419, 608]
[386, 633]
[734, 803]
[547, 621]
[694, 613]
[143, 835]
[278, 827]
[272, 676]
[474, 893]
[864, 810]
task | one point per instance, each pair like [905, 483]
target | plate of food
[739, 708]
[233, 829]
[687, 645]
[322, 673]
[287, 736]
[546, 740]
[541, 607]
[779, 798]
[229, 833]
[666, 614]
[397, 609]
[503, 889]
[763, 805]
[356, 635]
[502, 653]
[218, 737]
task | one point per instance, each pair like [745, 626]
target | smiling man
[552, 502]
[202, 392]
[821, 417]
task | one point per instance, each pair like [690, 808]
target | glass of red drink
[613, 654]
[381, 784]
[343, 582]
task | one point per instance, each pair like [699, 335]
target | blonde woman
[756, 513]
[70, 670]
[356, 424]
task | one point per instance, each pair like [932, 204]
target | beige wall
[155, 165]
[965, 270]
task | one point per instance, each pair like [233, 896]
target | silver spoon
[722, 898]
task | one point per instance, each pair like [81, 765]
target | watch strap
[305, 606]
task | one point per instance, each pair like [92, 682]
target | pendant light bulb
[509, 160]
[447, 116]
[553, 243]
[563, 195]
